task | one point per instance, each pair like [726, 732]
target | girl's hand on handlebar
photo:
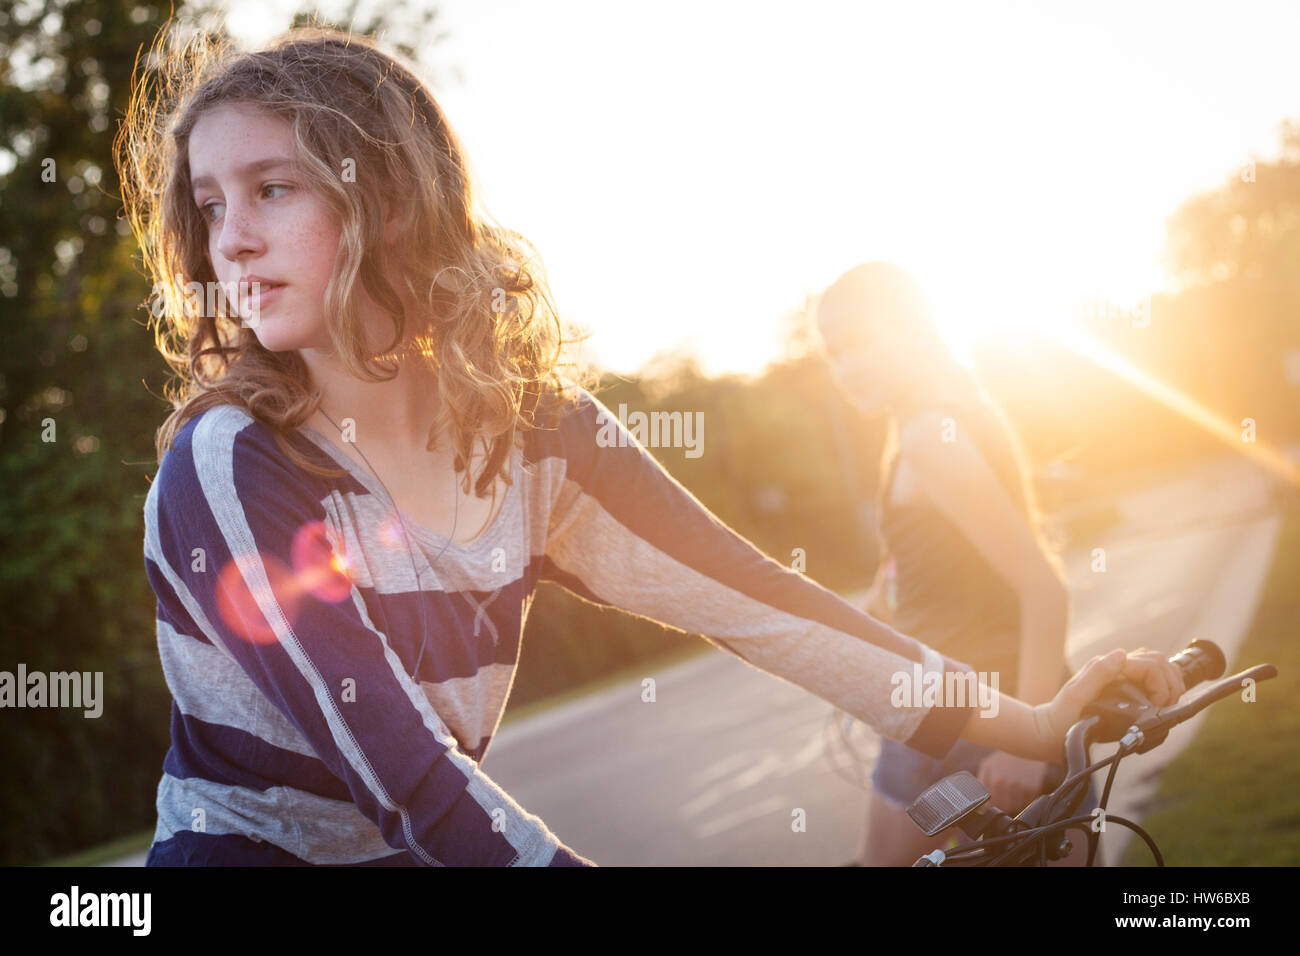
[1159, 679]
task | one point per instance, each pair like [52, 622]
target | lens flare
[320, 570]
[392, 533]
[241, 609]
[1227, 432]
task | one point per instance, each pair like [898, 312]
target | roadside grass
[1232, 798]
[106, 852]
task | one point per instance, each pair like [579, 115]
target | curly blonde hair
[489, 327]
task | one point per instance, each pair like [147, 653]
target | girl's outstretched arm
[623, 532]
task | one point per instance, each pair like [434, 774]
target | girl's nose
[238, 236]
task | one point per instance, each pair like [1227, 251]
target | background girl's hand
[1159, 679]
[1012, 782]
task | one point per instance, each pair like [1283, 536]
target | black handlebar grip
[1200, 661]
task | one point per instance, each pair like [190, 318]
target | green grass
[1232, 798]
[106, 852]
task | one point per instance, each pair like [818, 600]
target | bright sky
[690, 170]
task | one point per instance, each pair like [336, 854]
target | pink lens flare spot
[321, 570]
[241, 604]
[392, 533]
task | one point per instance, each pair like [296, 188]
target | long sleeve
[251, 585]
[623, 532]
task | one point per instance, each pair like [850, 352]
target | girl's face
[264, 222]
[873, 370]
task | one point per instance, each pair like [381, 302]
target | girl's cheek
[861, 371]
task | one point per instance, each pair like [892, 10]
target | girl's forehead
[234, 135]
[241, 124]
[839, 326]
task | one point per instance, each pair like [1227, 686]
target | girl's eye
[209, 216]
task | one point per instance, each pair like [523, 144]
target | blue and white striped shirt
[289, 614]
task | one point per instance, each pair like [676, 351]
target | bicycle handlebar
[1123, 713]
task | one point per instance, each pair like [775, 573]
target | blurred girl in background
[964, 565]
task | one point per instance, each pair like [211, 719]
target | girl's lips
[269, 292]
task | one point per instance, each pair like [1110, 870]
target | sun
[1021, 310]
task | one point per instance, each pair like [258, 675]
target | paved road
[716, 769]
